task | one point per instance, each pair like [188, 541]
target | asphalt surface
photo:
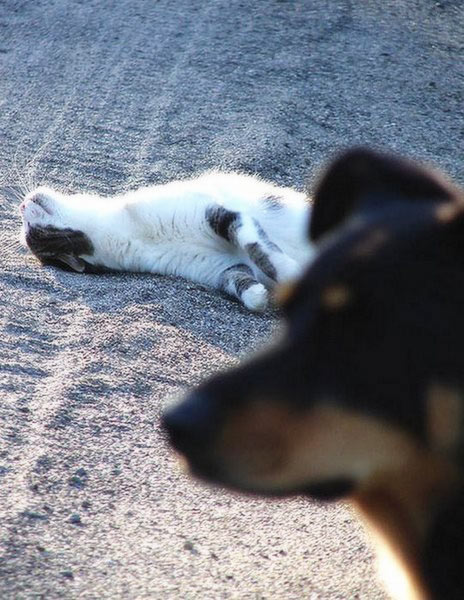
[106, 96]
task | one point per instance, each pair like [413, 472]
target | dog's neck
[402, 510]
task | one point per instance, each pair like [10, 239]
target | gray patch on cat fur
[51, 241]
[60, 247]
[63, 248]
[238, 279]
[261, 260]
[273, 202]
[223, 222]
[265, 238]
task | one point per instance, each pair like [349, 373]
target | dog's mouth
[261, 450]
[333, 489]
[204, 467]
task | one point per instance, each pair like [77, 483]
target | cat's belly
[204, 265]
[192, 261]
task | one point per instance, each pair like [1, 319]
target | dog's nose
[192, 423]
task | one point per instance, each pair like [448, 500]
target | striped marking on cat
[223, 222]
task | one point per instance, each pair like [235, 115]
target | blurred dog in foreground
[362, 397]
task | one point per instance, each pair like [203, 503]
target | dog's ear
[361, 173]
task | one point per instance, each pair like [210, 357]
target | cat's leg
[265, 253]
[239, 281]
[246, 233]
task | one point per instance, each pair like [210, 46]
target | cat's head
[56, 228]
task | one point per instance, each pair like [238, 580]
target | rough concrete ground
[106, 96]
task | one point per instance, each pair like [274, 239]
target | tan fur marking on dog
[448, 211]
[398, 507]
[269, 446]
[336, 297]
[347, 443]
[444, 416]
[255, 440]
[283, 293]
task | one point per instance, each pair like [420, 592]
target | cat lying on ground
[232, 232]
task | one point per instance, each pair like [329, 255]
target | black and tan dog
[363, 397]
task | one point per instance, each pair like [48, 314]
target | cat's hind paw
[256, 297]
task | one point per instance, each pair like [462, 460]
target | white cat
[232, 232]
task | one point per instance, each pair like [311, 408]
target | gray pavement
[106, 96]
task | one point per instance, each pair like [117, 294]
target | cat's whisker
[32, 164]
[16, 194]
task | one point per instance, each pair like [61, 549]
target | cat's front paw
[256, 297]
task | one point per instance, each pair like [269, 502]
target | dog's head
[370, 360]
[363, 394]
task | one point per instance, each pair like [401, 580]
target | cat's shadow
[208, 315]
